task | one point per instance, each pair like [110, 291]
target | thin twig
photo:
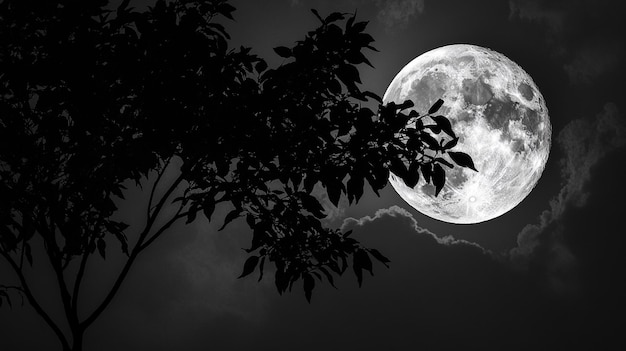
[79, 277]
[156, 183]
[135, 252]
[169, 223]
[34, 303]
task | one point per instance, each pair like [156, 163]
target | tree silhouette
[93, 98]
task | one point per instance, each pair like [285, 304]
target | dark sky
[550, 274]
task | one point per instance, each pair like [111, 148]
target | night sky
[549, 274]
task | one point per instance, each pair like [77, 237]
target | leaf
[329, 276]
[226, 10]
[364, 260]
[356, 57]
[283, 51]
[250, 220]
[373, 96]
[281, 280]
[364, 39]
[309, 284]
[220, 29]
[412, 176]
[6, 296]
[28, 253]
[445, 125]
[430, 141]
[335, 16]
[406, 104]
[122, 6]
[444, 162]
[435, 107]
[350, 21]
[439, 178]
[312, 205]
[261, 66]
[450, 144]
[359, 26]
[344, 264]
[122, 239]
[317, 15]
[398, 167]
[249, 266]
[102, 247]
[419, 124]
[334, 86]
[462, 159]
[209, 207]
[334, 265]
[434, 128]
[117, 191]
[192, 215]
[261, 265]
[427, 171]
[348, 74]
[355, 187]
[380, 257]
[358, 270]
[334, 192]
[230, 217]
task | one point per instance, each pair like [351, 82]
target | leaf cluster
[93, 99]
[419, 147]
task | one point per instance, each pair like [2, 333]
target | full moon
[501, 120]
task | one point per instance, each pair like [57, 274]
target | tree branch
[81, 270]
[169, 223]
[79, 278]
[66, 298]
[22, 253]
[154, 186]
[135, 252]
[31, 299]
[55, 257]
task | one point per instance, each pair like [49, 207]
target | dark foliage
[93, 98]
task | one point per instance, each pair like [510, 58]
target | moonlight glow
[501, 119]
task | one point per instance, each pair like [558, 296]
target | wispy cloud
[585, 35]
[594, 60]
[396, 211]
[396, 14]
[334, 213]
[584, 143]
[534, 11]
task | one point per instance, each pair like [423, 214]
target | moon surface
[501, 120]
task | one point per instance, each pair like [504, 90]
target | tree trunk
[77, 343]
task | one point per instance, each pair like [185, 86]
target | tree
[93, 98]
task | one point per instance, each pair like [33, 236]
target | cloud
[546, 247]
[396, 14]
[187, 291]
[585, 143]
[435, 288]
[593, 61]
[585, 35]
[534, 11]
[396, 211]
[334, 214]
